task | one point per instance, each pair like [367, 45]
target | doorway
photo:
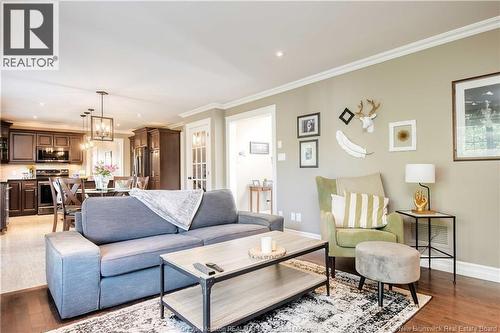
[251, 159]
[198, 155]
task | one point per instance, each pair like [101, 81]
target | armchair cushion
[348, 237]
[326, 187]
[371, 184]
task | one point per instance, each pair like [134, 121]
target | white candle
[274, 245]
[266, 244]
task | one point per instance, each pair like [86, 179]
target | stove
[45, 202]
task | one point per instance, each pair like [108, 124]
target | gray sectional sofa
[112, 257]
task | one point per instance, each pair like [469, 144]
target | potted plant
[102, 174]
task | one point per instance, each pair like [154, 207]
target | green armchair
[343, 241]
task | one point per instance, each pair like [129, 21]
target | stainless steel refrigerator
[140, 167]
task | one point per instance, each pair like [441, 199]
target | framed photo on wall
[403, 135]
[308, 151]
[308, 125]
[476, 118]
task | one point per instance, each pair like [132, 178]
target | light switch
[280, 144]
[281, 157]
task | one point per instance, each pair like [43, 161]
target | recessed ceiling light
[280, 54]
[35, 117]
[42, 104]
[139, 115]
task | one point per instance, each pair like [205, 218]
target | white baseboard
[468, 269]
[303, 233]
[482, 272]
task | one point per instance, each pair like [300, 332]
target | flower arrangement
[104, 169]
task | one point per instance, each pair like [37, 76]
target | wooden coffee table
[247, 288]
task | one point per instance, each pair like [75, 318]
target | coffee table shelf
[235, 300]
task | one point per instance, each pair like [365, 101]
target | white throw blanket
[176, 207]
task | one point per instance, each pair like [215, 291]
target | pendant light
[82, 145]
[102, 127]
[88, 142]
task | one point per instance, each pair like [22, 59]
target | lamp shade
[420, 173]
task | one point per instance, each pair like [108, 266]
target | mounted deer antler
[367, 120]
[374, 107]
[360, 113]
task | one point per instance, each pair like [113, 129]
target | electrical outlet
[292, 216]
[298, 217]
[280, 212]
[281, 157]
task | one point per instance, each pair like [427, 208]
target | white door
[198, 161]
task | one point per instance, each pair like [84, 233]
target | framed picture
[259, 148]
[476, 118]
[308, 151]
[346, 116]
[108, 157]
[403, 135]
[308, 125]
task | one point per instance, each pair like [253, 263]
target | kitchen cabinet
[164, 159]
[23, 197]
[61, 140]
[75, 151]
[15, 204]
[23, 144]
[154, 178]
[44, 140]
[141, 137]
[22, 147]
[4, 141]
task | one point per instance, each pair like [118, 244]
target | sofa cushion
[216, 208]
[222, 233]
[114, 219]
[127, 256]
[351, 237]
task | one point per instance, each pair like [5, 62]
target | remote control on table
[204, 269]
[214, 266]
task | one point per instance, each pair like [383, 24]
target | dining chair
[56, 200]
[141, 182]
[123, 181]
[71, 203]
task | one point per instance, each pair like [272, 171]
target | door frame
[188, 154]
[266, 110]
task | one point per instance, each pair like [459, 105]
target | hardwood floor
[469, 306]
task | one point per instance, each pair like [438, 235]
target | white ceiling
[160, 59]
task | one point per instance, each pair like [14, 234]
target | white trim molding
[440, 39]
[468, 269]
[201, 109]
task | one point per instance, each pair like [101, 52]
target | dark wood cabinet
[75, 151]
[22, 147]
[61, 140]
[44, 140]
[4, 141]
[15, 204]
[29, 197]
[23, 197]
[162, 156]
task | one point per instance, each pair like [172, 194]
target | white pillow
[338, 209]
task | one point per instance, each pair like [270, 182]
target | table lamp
[421, 173]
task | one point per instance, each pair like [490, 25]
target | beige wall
[417, 86]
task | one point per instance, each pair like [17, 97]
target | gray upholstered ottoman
[390, 263]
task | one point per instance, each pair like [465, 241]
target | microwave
[52, 154]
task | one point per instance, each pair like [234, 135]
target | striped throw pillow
[365, 211]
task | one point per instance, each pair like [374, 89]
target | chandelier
[87, 142]
[101, 127]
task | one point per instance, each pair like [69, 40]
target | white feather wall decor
[350, 147]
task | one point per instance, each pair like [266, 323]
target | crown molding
[201, 109]
[436, 40]
[176, 125]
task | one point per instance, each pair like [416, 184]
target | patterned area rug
[346, 310]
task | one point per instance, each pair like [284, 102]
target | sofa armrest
[273, 222]
[73, 273]
[395, 226]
